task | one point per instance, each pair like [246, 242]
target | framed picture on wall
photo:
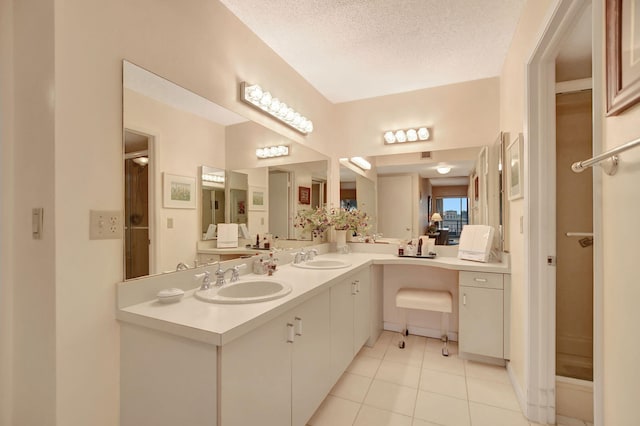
[179, 192]
[514, 168]
[622, 54]
[304, 195]
[257, 199]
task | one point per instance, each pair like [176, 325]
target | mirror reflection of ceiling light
[443, 170]
[361, 162]
[254, 95]
[408, 135]
[141, 161]
[272, 151]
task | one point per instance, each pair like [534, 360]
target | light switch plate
[105, 224]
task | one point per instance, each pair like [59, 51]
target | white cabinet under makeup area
[272, 363]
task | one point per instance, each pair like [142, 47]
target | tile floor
[417, 386]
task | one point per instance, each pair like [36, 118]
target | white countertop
[219, 324]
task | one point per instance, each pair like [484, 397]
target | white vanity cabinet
[350, 319]
[278, 374]
[482, 314]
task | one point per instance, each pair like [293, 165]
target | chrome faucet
[300, 256]
[220, 273]
[182, 266]
[311, 254]
[206, 280]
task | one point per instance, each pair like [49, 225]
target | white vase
[350, 236]
[341, 238]
[318, 237]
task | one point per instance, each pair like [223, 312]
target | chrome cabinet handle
[353, 289]
[464, 299]
[298, 326]
[357, 286]
[480, 280]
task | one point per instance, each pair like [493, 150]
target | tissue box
[475, 242]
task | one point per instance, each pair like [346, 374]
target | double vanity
[199, 362]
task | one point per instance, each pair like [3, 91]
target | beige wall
[620, 231]
[512, 101]
[6, 211]
[459, 115]
[34, 290]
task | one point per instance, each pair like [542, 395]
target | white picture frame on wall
[257, 198]
[515, 178]
[179, 192]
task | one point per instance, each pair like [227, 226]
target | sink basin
[323, 264]
[245, 292]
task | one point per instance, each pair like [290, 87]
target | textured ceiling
[356, 49]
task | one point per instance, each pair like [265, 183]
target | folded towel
[475, 242]
[227, 235]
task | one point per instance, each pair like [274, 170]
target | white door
[395, 206]
[279, 204]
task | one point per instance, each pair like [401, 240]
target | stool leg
[405, 330]
[444, 326]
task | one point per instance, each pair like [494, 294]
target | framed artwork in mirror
[622, 54]
[514, 168]
[257, 198]
[179, 192]
[304, 195]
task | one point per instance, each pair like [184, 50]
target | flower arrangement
[312, 220]
[354, 220]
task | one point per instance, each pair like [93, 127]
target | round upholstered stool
[426, 300]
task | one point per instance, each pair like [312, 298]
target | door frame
[539, 226]
[153, 212]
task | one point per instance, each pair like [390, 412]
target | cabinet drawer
[481, 279]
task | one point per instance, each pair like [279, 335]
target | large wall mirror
[464, 186]
[190, 165]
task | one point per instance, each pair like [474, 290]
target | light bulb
[423, 133]
[255, 92]
[443, 170]
[401, 136]
[265, 101]
[389, 137]
[275, 105]
[412, 135]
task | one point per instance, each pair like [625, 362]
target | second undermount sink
[323, 264]
[245, 292]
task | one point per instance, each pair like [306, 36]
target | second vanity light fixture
[272, 151]
[361, 162]
[255, 95]
[408, 135]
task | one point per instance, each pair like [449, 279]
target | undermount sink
[245, 292]
[323, 264]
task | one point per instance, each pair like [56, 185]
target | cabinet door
[341, 328]
[481, 321]
[255, 378]
[362, 321]
[311, 366]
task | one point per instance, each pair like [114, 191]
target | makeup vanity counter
[210, 359]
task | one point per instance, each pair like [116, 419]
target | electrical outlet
[105, 224]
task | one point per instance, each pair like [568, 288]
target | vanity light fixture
[255, 95]
[272, 151]
[443, 170]
[207, 177]
[408, 135]
[361, 162]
